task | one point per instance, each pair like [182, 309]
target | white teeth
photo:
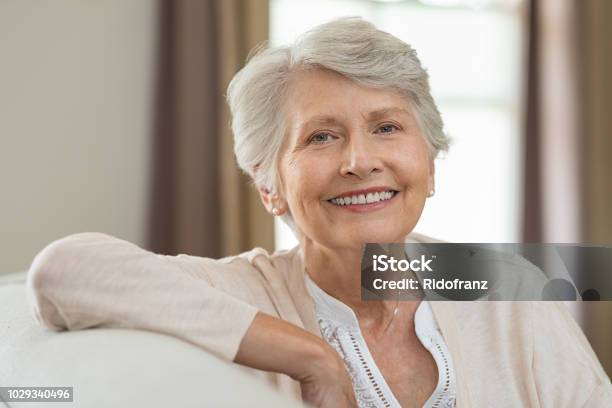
[363, 199]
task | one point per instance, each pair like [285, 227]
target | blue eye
[388, 128]
[321, 137]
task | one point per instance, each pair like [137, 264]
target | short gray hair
[348, 46]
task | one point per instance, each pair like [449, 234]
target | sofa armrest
[118, 367]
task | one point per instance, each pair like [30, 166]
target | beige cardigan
[506, 354]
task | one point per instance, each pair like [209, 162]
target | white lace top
[339, 326]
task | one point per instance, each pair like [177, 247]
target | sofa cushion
[12, 278]
[118, 367]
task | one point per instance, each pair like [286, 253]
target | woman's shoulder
[259, 254]
[258, 260]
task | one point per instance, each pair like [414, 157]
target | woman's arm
[271, 344]
[96, 280]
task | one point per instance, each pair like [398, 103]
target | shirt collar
[330, 308]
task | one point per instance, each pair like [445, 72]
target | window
[472, 51]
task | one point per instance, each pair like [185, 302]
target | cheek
[307, 178]
[411, 164]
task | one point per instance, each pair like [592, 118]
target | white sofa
[116, 367]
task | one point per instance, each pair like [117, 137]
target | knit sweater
[505, 354]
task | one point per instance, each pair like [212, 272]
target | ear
[271, 201]
[266, 198]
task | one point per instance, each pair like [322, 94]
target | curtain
[246, 224]
[568, 145]
[596, 135]
[201, 204]
[552, 146]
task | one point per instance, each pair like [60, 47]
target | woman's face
[344, 141]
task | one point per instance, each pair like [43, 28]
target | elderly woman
[339, 133]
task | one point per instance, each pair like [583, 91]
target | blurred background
[112, 119]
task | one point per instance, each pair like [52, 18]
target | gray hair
[349, 46]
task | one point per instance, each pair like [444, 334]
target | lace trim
[367, 390]
[447, 396]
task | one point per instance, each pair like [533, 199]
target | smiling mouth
[362, 199]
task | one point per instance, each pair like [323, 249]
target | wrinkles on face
[343, 137]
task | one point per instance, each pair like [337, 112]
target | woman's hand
[325, 382]
[272, 344]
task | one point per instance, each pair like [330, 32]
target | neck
[338, 272]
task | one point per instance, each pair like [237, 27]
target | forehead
[319, 93]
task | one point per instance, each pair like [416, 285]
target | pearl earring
[275, 211]
[432, 192]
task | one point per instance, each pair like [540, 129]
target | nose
[360, 157]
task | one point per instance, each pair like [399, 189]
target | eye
[386, 128]
[320, 138]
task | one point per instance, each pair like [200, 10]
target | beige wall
[75, 114]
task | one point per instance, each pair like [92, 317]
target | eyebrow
[371, 116]
[380, 113]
